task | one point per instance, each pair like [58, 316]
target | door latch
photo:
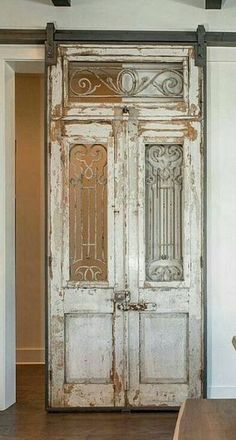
[123, 299]
[138, 307]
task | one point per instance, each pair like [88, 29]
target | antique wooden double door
[125, 227]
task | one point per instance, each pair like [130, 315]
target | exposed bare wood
[214, 4]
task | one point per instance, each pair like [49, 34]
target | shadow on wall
[200, 4]
[42, 2]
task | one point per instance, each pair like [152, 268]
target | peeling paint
[192, 132]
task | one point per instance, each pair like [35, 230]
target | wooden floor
[27, 419]
[207, 419]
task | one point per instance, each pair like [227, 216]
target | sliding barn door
[125, 227]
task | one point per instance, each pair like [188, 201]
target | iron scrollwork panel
[164, 217]
[116, 82]
[88, 213]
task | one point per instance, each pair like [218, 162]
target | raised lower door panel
[163, 348]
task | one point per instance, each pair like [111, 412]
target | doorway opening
[30, 228]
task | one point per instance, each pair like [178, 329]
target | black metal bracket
[213, 4]
[50, 45]
[200, 59]
[61, 2]
[53, 37]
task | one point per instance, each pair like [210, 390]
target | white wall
[221, 222]
[118, 14]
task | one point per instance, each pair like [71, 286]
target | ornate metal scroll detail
[111, 81]
[165, 270]
[88, 213]
[164, 219]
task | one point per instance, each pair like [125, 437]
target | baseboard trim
[28, 355]
[221, 392]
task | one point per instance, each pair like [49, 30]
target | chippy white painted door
[125, 227]
[164, 312]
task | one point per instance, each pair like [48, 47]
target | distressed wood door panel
[86, 342]
[165, 362]
[125, 227]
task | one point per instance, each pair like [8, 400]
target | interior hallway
[27, 419]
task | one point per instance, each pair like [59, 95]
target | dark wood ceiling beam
[61, 2]
[213, 4]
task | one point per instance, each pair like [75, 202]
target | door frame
[10, 55]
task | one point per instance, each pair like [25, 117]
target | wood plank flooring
[27, 419]
[207, 419]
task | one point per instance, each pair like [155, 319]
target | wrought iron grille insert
[88, 212]
[119, 82]
[164, 218]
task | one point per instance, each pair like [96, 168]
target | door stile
[196, 299]
[123, 228]
[119, 323]
[55, 190]
[133, 250]
[56, 308]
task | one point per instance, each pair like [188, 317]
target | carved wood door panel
[125, 232]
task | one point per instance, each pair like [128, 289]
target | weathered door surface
[125, 227]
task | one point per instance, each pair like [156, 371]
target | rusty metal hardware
[50, 45]
[123, 299]
[138, 307]
[125, 110]
[201, 47]
[123, 295]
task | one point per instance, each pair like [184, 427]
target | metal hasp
[213, 4]
[61, 2]
[137, 307]
[50, 45]
[201, 46]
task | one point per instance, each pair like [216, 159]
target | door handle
[138, 307]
